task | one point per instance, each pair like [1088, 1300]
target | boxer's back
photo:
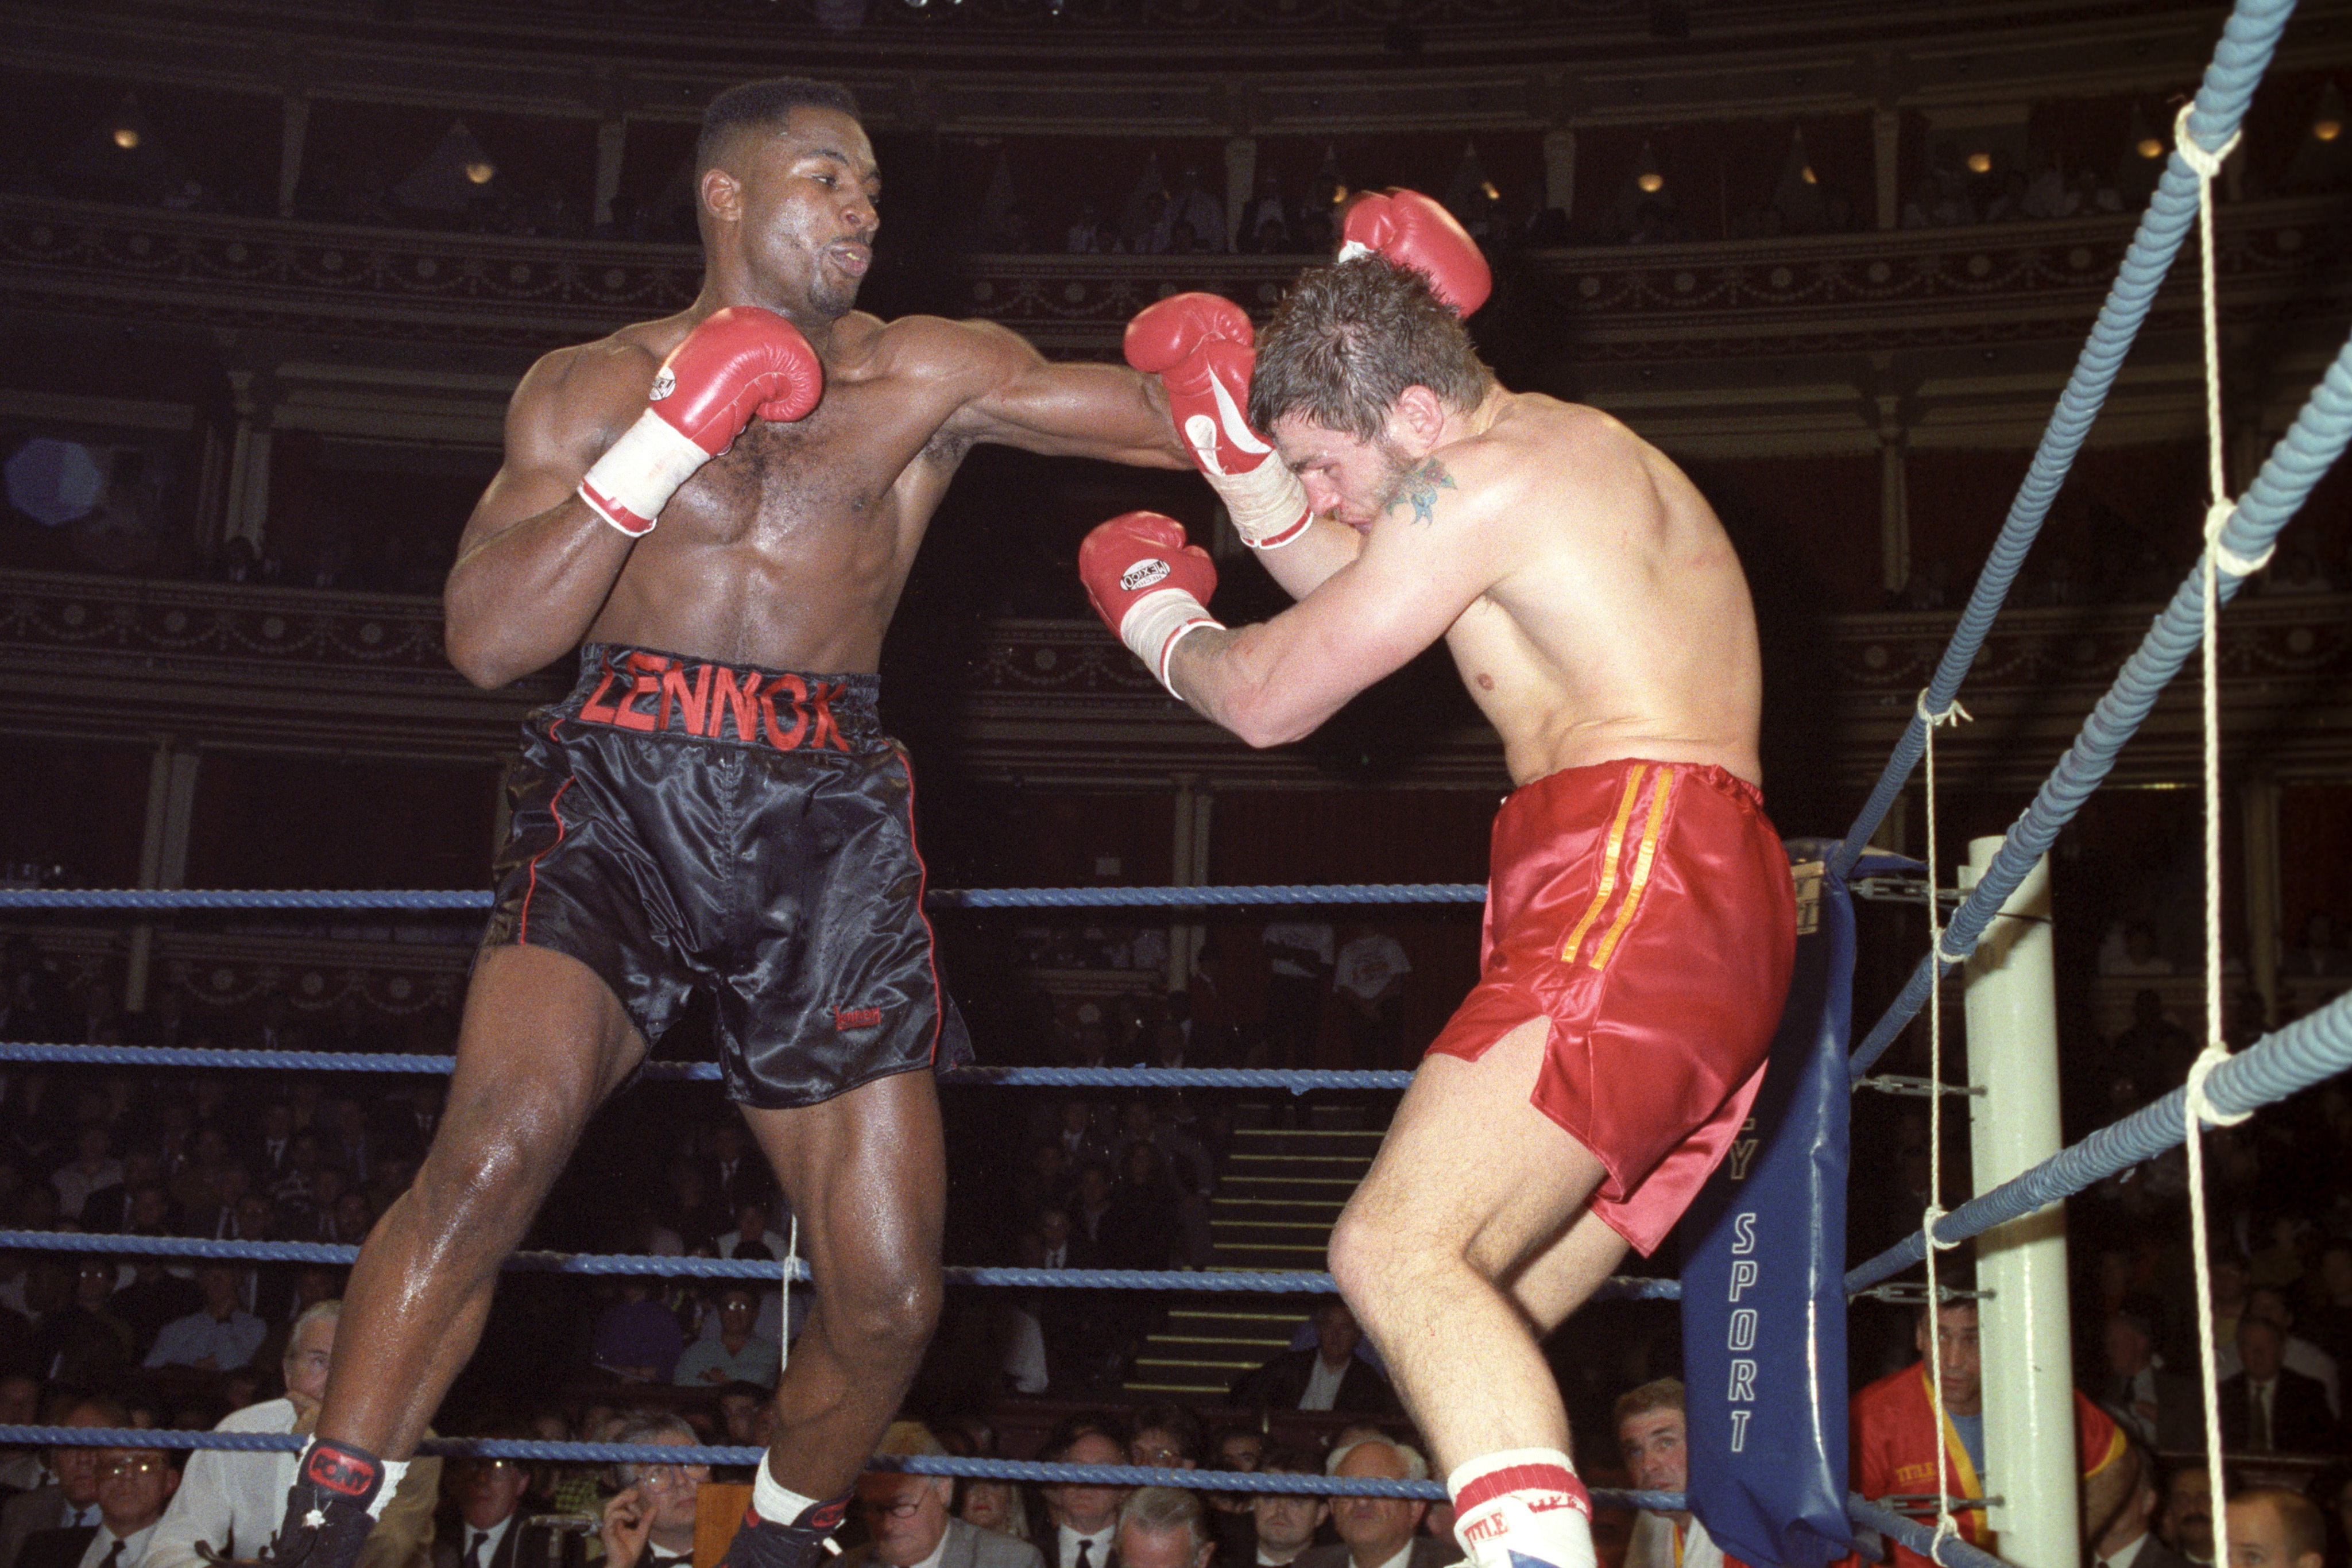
[1618, 622]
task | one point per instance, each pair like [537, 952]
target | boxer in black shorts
[816, 952]
[742, 484]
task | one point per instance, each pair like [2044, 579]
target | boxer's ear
[722, 195]
[1419, 417]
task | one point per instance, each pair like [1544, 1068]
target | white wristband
[1267, 504]
[630, 484]
[1156, 622]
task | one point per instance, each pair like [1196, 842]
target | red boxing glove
[1199, 347]
[736, 362]
[1410, 230]
[1147, 584]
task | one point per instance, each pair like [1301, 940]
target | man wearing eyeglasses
[229, 1501]
[133, 1485]
[492, 1528]
[649, 1523]
[907, 1521]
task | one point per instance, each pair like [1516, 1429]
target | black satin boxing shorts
[681, 825]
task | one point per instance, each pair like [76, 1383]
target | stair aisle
[1276, 1199]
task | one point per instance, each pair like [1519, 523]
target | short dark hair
[1349, 338]
[763, 103]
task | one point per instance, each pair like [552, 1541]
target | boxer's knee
[884, 1318]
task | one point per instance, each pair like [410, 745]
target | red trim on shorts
[522, 917]
[931, 943]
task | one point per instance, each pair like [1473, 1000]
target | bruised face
[798, 200]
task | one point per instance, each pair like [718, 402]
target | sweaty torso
[790, 550]
[1618, 622]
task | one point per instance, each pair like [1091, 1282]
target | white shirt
[1322, 1386]
[1101, 1542]
[1312, 935]
[135, 1547]
[2125, 1558]
[490, 1539]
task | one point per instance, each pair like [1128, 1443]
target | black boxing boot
[763, 1543]
[327, 1517]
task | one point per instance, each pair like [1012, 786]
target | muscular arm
[535, 563]
[1019, 398]
[1301, 566]
[1413, 576]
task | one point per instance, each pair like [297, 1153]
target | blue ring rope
[2248, 40]
[339, 1255]
[691, 1454]
[1296, 1080]
[2320, 432]
[151, 898]
[2307, 1052]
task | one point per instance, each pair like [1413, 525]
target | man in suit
[134, 1487]
[1327, 1375]
[2149, 1400]
[1161, 1526]
[1083, 1521]
[490, 1529]
[70, 1501]
[2128, 1541]
[907, 1517]
[1285, 1522]
[1378, 1531]
[2270, 1409]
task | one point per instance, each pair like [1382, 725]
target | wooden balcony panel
[1058, 701]
[1842, 294]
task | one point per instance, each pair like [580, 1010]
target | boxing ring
[1766, 1285]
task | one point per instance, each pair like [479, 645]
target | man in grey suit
[70, 1500]
[1161, 1526]
[906, 1518]
[1378, 1531]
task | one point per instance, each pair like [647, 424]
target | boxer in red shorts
[1640, 920]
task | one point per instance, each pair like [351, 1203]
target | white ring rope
[1946, 1525]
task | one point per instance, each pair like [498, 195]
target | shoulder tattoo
[1419, 488]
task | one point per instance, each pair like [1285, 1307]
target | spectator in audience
[649, 1523]
[221, 1335]
[1328, 1375]
[1161, 1526]
[1080, 1519]
[2158, 1406]
[1165, 1437]
[70, 1500]
[82, 1342]
[1376, 1531]
[994, 1505]
[232, 1504]
[2187, 1522]
[2130, 1542]
[908, 1523]
[93, 1167]
[1284, 1523]
[2271, 1527]
[132, 1487]
[735, 1353]
[2297, 1353]
[1651, 1436]
[636, 1339]
[22, 1467]
[490, 1527]
[2269, 1408]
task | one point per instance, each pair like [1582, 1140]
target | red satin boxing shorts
[1647, 910]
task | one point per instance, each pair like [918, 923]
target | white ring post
[2029, 1365]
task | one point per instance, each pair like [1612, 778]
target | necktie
[2262, 1424]
[1085, 1554]
[474, 1539]
[113, 1555]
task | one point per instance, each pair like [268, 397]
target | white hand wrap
[1267, 504]
[630, 484]
[1156, 622]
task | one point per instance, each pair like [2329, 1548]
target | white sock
[774, 1502]
[393, 1470]
[1526, 1502]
